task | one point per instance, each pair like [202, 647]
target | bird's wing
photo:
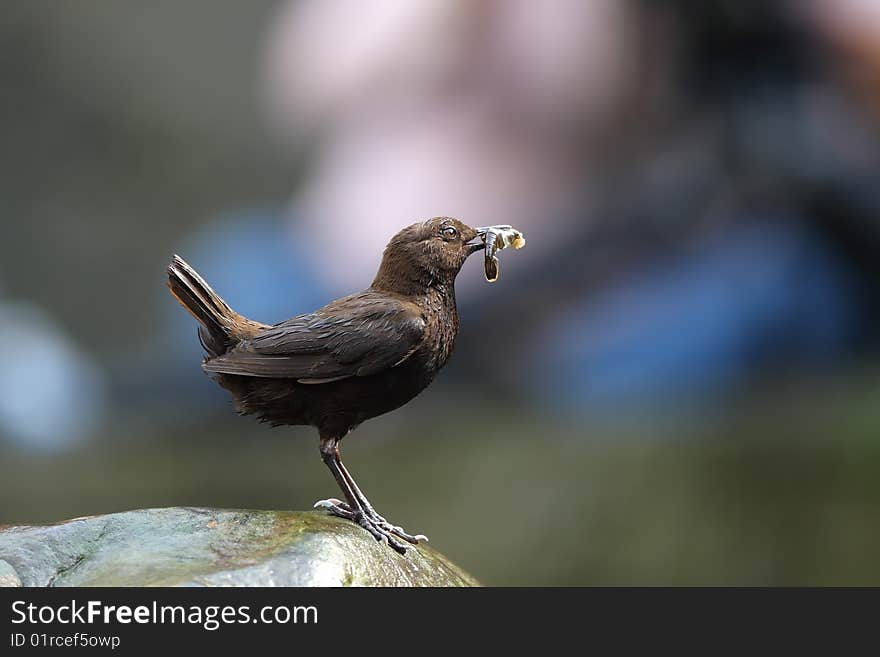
[355, 336]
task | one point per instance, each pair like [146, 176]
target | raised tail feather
[220, 326]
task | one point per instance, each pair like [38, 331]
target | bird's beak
[478, 243]
[473, 247]
[481, 235]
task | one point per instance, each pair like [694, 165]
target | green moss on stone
[211, 547]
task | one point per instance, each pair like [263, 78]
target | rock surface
[184, 546]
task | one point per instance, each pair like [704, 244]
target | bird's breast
[441, 328]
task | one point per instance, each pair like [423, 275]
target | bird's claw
[397, 530]
[381, 529]
[400, 532]
[381, 534]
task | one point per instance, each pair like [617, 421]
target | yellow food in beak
[497, 238]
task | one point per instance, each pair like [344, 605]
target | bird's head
[426, 254]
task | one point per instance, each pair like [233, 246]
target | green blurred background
[135, 130]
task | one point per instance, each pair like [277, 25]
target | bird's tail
[220, 325]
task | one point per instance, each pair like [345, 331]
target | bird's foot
[381, 529]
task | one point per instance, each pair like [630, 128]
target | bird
[358, 357]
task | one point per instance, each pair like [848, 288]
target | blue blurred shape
[51, 394]
[761, 297]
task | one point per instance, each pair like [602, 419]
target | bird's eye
[449, 232]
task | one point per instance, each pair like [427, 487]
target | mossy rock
[185, 546]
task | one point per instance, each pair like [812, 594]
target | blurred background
[691, 393]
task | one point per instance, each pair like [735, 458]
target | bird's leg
[354, 509]
[371, 512]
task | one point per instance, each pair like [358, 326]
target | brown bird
[354, 359]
